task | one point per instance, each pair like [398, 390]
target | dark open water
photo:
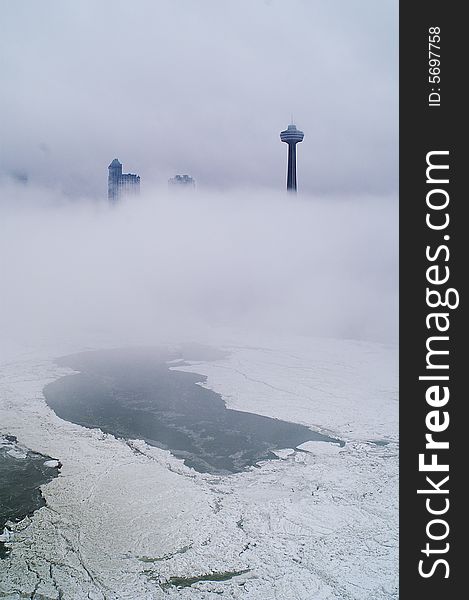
[133, 394]
[22, 472]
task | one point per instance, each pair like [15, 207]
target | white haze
[176, 265]
[201, 87]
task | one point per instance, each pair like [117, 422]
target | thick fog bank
[168, 264]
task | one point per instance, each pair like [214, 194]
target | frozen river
[129, 520]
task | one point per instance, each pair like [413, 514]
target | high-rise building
[291, 136]
[121, 184]
[182, 181]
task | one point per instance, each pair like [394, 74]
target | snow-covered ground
[125, 520]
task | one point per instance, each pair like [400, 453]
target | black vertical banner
[432, 260]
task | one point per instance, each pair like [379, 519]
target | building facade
[121, 184]
[182, 182]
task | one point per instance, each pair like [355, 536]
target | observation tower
[291, 136]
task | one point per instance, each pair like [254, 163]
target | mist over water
[202, 88]
[207, 96]
[172, 264]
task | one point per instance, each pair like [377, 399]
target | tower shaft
[291, 168]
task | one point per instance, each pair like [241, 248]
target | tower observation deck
[291, 136]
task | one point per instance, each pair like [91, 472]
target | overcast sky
[200, 87]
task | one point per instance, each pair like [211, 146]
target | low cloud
[168, 264]
[202, 88]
